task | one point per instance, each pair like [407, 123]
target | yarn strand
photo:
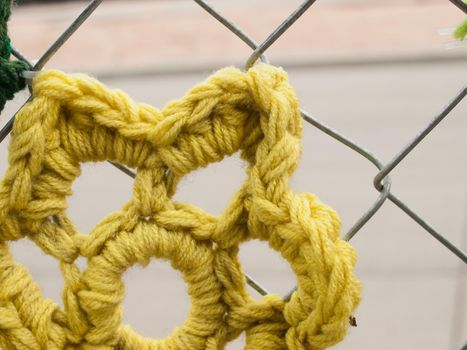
[10, 78]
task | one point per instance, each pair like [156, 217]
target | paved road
[414, 294]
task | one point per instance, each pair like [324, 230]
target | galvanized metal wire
[381, 182]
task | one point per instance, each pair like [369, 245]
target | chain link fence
[381, 181]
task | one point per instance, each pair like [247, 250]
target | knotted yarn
[10, 78]
[74, 119]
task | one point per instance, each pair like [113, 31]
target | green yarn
[461, 31]
[10, 79]
[7, 49]
[5, 12]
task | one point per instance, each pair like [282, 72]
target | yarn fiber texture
[74, 119]
[10, 79]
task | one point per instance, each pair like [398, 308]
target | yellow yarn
[74, 119]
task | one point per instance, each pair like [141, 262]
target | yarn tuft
[10, 79]
[461, 31]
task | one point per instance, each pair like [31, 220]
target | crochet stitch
[74, 119]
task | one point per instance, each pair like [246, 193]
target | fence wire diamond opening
[381, 181]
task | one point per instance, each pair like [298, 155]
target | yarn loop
[74, 119]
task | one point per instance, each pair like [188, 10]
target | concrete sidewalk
[145, 35]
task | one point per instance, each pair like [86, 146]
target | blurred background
[376, 71]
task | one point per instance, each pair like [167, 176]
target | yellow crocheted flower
[74, 119]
